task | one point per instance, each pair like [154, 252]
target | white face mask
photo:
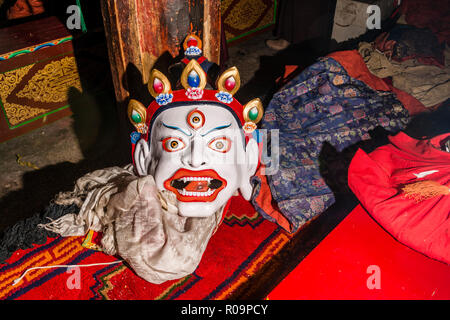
[198, 152]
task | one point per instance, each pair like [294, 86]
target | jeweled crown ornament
[185, 137]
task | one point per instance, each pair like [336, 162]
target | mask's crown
[194, 80]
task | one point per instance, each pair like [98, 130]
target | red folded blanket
[405, 186]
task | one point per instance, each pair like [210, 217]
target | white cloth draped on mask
[138, 223]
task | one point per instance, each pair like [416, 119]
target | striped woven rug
[242, 245]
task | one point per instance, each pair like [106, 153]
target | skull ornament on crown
[199, 144]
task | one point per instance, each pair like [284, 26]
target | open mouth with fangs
[195, 186]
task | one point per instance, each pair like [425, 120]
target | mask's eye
[172, 144]
[220, 144]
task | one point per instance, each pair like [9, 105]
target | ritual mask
[199, 144]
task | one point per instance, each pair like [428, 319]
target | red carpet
[242, 245]
[338, 267]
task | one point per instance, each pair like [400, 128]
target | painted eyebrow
[177, 128]
[216, 128]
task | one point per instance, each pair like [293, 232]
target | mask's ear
[249, 168]
[142, 157]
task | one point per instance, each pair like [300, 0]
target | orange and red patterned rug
[242, 245]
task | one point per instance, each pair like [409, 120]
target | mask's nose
[195, 157]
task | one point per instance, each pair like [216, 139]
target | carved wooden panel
[35, 77]
[242, 18]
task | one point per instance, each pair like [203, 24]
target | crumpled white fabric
[139, 223]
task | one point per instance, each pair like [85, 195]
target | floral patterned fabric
[323, 104]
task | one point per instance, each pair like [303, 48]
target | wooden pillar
[138, 32]
[212, 31]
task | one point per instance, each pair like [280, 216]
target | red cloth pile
[382, 181]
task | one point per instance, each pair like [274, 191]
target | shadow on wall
[264, 83]
[100, 149]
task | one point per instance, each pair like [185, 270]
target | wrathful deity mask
[197, 143]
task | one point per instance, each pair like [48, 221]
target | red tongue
[197, 186]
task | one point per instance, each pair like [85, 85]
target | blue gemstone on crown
[193, 79]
